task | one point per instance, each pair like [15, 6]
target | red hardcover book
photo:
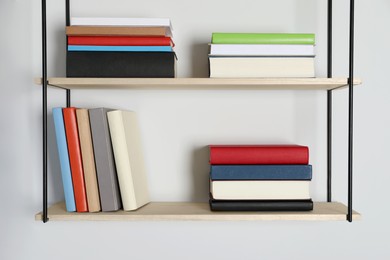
[258, 154]
[76, 167]
[120, 41]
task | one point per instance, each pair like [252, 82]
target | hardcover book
[64, 159]
[261, 172]
[299, 50]
[259, 154]
[105, 164]
[250, 67]
[116, 31]
[261, 205]
[263, 38]
[119, 48]
[120, 41]
[72, 137]
[126, 143]
[259, 190]
[108, 64]
[88, 159]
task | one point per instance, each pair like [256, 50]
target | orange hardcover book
[76, 166]
[116, 31]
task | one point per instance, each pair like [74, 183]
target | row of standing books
[248, 55]
[101, 159]
[120, 47]
[260, 178]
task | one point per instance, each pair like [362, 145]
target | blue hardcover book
[261, 172]
[64, 159]
[119, 48]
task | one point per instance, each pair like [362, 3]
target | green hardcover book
[263, 38]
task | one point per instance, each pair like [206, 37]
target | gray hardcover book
[104, 159]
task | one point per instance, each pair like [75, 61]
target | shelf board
[198, 211]
[200, 83]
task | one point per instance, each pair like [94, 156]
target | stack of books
[248, 55]
[101, 159]
[120, 48]
[260, 178]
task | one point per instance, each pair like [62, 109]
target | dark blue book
[261, 172]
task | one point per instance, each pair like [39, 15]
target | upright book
[64, 159]
[126, 143]
[88, 159]
[105, 164]
[258, 154]
[76, 166]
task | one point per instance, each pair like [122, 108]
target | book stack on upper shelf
[248, 55]
[260, 178]
[101, 159]
[120, 48]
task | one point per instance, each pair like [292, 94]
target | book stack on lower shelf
[260, 178]
[101, 159]
[249, 55]
[120, 48]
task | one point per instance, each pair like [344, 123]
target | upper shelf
[200, 83]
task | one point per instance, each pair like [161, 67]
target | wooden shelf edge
[200, 83]
[191, 211]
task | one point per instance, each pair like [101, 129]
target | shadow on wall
[200, 60]
[200, 174]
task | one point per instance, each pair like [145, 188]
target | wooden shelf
[198, 211]
[200, 83]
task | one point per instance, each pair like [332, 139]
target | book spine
[121, 64]
[64, 159]
[120, 48]
[105, 164]
[121, 154]
[261, 205]
[119, 41]
[75, 159]
[263, 38]
[261, 172]
[116, 31]
[227, 155]
[88, 160]
[118, 21]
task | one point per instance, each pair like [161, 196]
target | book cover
[261, 172]
[72, 137]
[259, 154]
[126, 143]
[259, 190]
[121, 64]
[119, 48]
[250, 67]
[261, 205]
[64, 159]
[116, 31]
[88, 159]
[120, 41]
[263, 38]
[104, 158]
[262, 50]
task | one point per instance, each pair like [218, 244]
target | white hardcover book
[126, 144]
[118, 21]
[262, 50]
[260, 190]
[257, 67]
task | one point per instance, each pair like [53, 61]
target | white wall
[177, 125]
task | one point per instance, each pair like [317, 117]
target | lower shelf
[198, 211]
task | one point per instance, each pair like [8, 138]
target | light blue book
[64, 159]
[119, 48]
